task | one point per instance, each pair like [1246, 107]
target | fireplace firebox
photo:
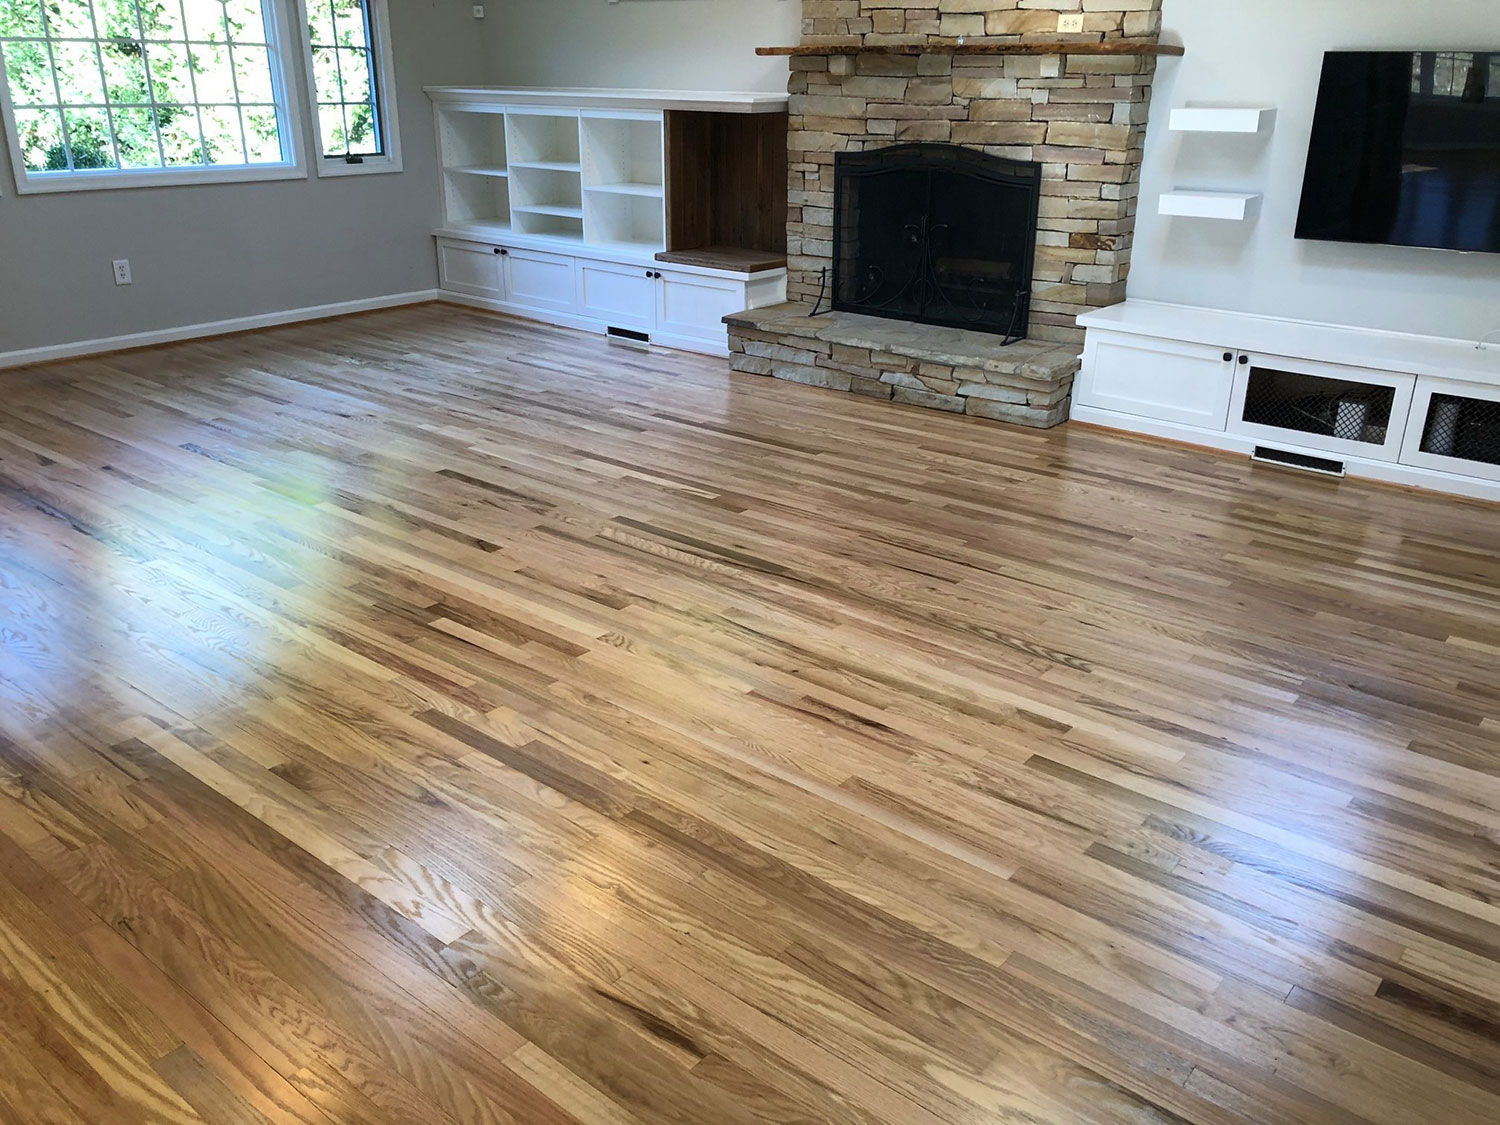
[938, 234]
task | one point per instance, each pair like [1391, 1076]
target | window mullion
[193, 83]
[109, 113]
[338, 70]
[62, 118]
[140, 27]
[234, 84]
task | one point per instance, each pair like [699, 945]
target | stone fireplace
[992, 80]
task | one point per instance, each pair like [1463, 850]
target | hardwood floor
[428, 718]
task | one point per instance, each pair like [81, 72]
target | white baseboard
[54, 352]
[525, 312]
[1388, 472]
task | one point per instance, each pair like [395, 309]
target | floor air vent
[1285, 458]
[628, 336]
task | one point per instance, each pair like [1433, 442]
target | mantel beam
[960, 47]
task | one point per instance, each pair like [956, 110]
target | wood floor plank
[428, 716]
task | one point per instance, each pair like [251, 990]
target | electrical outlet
[479, 11]
[122, 272]
[1070, 25]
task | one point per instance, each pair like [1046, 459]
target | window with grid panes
[118, 92]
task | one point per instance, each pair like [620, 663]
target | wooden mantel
[981, 47]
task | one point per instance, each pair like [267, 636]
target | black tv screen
[1406, 151]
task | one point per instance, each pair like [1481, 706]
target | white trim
[369, 166]
[588, 324]
[1378, 349]
[490, 234]
[114, 179]
[1389, 472]
[54, 352]
[479, 99]
[385, 99]
[288, 120]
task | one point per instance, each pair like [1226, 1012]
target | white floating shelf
[1231, 206]
[1222, 119]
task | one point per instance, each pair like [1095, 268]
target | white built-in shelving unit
[1411, 410]
[554, 206]
[584, 177]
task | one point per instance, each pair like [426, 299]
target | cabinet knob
[1228, 357]
[657, 275]
[648, 273]
[498, 250]
[1244, 359]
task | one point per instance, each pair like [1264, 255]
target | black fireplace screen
[938, 234]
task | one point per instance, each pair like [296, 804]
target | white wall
[650, 44]
[1270, 52]
[218, 252]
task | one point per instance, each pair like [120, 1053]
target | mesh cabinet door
[1321, 406]
[1454, 428]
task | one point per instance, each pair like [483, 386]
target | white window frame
[385, 99]
[289, 124]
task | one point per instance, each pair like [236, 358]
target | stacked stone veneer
[940, 368]
[1083, 117]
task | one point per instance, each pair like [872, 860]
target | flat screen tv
[1406, 151]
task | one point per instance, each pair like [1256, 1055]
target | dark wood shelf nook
[726, 190]
[735, 259]
[959, 47]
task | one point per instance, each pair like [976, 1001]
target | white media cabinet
[1414, 410]
[555, 206]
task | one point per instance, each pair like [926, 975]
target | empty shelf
[1222, 119]
[651, 190]
[1233, 206]
[562, 210]
[481, 170]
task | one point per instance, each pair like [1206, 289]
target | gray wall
[218, 252]
[651, 44]
[1270, 52]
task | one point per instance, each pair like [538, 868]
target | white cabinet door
[1349, 410]
[536, 280]
[694, 306]
[619, 295]
[1454, 428]
[1163, 379]
[472, 268]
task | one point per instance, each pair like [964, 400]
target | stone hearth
[1081, 117]
[949, 369]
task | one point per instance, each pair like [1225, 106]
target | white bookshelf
[624, 183]
[595, 177]
[475, 174]
[555, 207]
